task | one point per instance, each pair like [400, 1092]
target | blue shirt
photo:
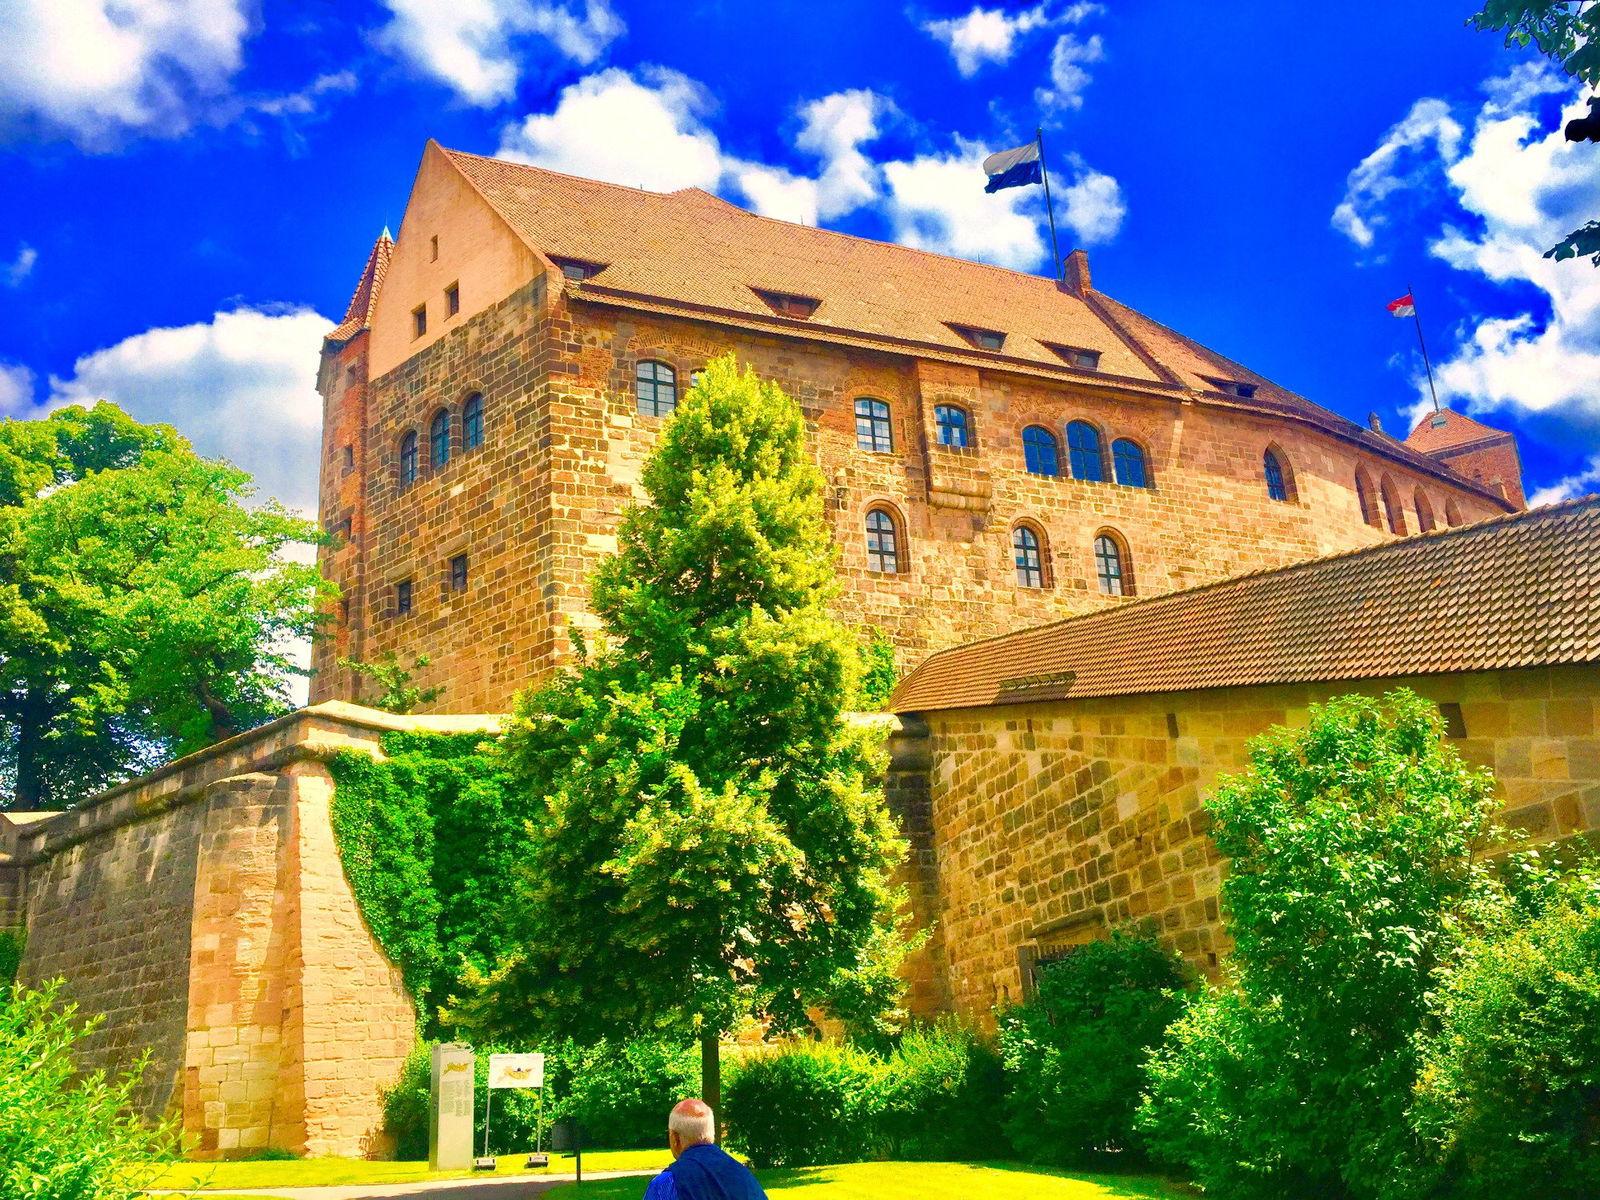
[705, 1173]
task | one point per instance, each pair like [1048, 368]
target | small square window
[1076, 356]
[402, 598]
[434, 248]
[982, 339]
[458, 573]
[578, 269]
[349, 453]
[419, 320]
[452, 300]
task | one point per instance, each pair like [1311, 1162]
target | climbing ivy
[429, 836]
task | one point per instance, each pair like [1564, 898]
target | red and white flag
[1403, 307]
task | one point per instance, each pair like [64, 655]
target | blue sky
[190, 188]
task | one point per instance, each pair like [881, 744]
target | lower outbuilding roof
[1515, 591]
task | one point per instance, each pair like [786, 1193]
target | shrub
[1510, 1086]
[65, 1136]
[512, 1123]
[620, 1093]
[813, 1102]
[1074, 1054]
[941, 1096]
[10, 955]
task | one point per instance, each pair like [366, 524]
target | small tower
[342, 381]
[1469, 448]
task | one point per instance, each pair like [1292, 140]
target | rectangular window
[458, 573]
[349, 458]
[419, 320]
[452, 300]
[402, 598]
[872, 426]
[434, 244]
[344, 611]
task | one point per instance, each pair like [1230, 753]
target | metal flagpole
[1055, 246]
[1418, 319]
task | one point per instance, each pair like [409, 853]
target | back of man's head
[693, 1122]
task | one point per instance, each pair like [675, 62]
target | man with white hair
[700, 1170]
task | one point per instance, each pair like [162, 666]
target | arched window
[1028, 552]
[655, 386]
[1276, 476]
[1452, 512]
[1083, 452]
[883, 543]
[953, 426]
[472, 422]
[1040, 451]
[1127, 464]
[439, 440]
[872, 426]
[1111, 565]
[408, 459]
[1368, 498]
[1393, 511]
[1424, 507]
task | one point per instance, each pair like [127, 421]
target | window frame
[1119, 580]
[439, 440]
[874, 420]
[882, 558]
[1098, 450]
[452, 573]
[1138, 455]
[409, 464]
[1039, 568]
[962, 423]
[654, 382]
[1030, 444]
[452, 300]
[405, 598]
[419, 321]
[472, 422]
[1277, 475]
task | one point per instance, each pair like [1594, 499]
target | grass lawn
[920, 1181]
[218, 1177]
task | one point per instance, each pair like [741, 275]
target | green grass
[921, 1181]
[221, 1177]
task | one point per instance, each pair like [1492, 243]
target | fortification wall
[1049, 823]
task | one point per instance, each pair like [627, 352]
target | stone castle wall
[537, 505]
[1049, 823]
[204, 910]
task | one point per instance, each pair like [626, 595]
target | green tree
[710, 844]
[1567, 31]
[397, 693]
[65, 1136]
[144, 610]
[1355, 881]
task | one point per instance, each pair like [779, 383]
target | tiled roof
[691, 250]
[358, 315]
[1515, 591]
[1447, 430]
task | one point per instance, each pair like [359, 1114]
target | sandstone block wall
[1051, 822]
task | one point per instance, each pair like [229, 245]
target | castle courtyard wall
[1050, 823]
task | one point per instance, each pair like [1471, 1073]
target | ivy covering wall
[429, 837]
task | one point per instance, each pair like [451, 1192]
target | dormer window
[786, 304]
[1076, 356]
[1232, 387]
[578, 269]
[982, 339]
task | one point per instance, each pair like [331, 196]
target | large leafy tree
[1567, 31]
[710, 844]
[145, 611]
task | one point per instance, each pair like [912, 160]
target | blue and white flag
[1013, 168]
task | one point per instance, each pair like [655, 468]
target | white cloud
[1402, 160]
[936, 202]
[19, 268]
[988, 35]
[775, 192]
[473, 45]
[1585, 483]
[16, 390]
[304, 101]
[241, 386]
[95, 69]
[1093, 203]
[835, 128]
[1067, 75]
[648, 132]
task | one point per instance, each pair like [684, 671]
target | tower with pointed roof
[1001, 449]
[1473, 450]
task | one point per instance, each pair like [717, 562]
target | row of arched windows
[441, 439]
[1383, 507]
[887, 553]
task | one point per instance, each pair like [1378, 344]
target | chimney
[1374, 422]
[1075, 273]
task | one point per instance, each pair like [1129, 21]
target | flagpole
[1055, 246]
[1415, 316]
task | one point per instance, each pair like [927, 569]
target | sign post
[450, 1108]
[516, 1071]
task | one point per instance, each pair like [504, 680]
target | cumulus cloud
[241, 386]
[835, 128]
[987, 35]
[1093, 204]
[20, 267]
[93, 70]
[1585, 483]
[473, 45]
[16, 390]
[1403, 160]
[1068, 78]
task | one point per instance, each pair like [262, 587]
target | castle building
[1000, 449]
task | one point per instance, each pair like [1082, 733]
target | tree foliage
[707, 842]
[1355, 881]
[65, 1136]
[145, 611]
[396, 691]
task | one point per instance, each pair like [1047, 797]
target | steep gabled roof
[1514, 591]
[358, 315]
[1450, 430]
[689, 252]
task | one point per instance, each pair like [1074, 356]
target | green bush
[512, 1123]
[65, 1136]
[942, 1096]
[1510, 1086]
[1074, 1054]
[810, 1103]
[10, 955]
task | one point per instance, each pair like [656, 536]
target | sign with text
[516, 1070]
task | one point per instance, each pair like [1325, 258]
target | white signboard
[516, 1070]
